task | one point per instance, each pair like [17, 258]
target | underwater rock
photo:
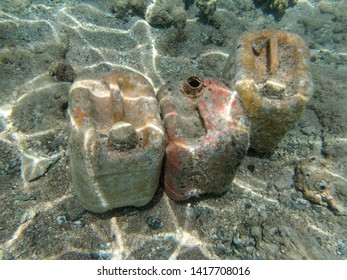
[34, 167]
[207, 136]
[116, 141]
[62, 221]
[74, 210]
[277, 6]
[319, 183]
[124, 9]
[62, 72]
[272, 75]
[167, 13]
[256, 231]
[206, 7]
[154, 223]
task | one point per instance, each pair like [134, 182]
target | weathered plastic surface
[272, 75]
[116, 141]
[207, 136]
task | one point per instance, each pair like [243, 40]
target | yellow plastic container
[270, 70]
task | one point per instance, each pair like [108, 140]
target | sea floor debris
[317, 179]
[263, 217]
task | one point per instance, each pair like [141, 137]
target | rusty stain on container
[116, 141]
[207, 136]
[272, 75]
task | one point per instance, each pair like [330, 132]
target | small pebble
[79, 223]
[273, 231]
[101, 255]
[154, 223]
[61, 220]
[224, 235]
[251, 167]
[256, 231]
[237, 240]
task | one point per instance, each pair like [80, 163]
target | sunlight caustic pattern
[40, 219]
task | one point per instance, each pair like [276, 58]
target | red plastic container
[207, 136]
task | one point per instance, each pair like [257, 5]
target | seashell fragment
[316, 178]
[116, 141]
[272, 75]
[207, 136]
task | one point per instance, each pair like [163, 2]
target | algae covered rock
[277, 6]
[320, 183]
[124, 8]
[62, 72]
[167, 13]
[206, 7]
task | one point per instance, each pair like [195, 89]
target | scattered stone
[62, 72]
[34, 167]
[105, 246]
[206, 7]
[74, 210]
[262, 210]
[167, 13]
[79, 223]
[256, 231]
[62, 221]
[278, 7]
[101, 255]
[285, 231]
[251, 167]
[273, 231]
[223, 235]
[269, 233]
[237, 241]
[316, 179]
[124, 9]
[154, 223]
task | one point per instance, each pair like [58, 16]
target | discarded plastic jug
[207, 136]
[116, 141]
[270, 71]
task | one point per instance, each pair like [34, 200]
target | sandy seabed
[262, 216]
